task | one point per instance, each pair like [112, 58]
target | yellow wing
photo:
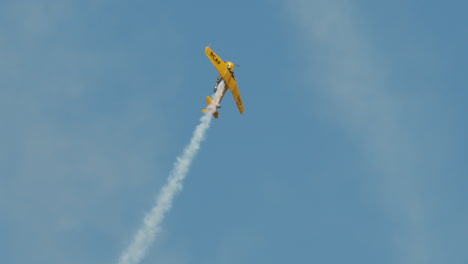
[232, 85]
[219, 64]
[227, 75]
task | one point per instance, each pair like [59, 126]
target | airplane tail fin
[208, 102]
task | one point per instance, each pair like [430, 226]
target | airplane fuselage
[218, 81]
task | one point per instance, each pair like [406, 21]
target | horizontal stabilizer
[215, 114]
[208, 100]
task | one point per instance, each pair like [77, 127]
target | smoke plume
[152, 221]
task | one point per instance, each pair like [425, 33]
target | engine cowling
[231, 66]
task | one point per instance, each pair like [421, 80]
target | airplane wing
[227, 75]
[232, 85]
[219, 64]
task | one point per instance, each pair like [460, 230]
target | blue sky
[352, 147]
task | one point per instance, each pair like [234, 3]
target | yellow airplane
[226, 73]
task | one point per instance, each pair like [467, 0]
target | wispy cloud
[74, 143]
[353, 83]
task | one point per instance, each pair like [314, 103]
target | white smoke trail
[152, 221]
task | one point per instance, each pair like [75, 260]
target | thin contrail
[152, 221]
